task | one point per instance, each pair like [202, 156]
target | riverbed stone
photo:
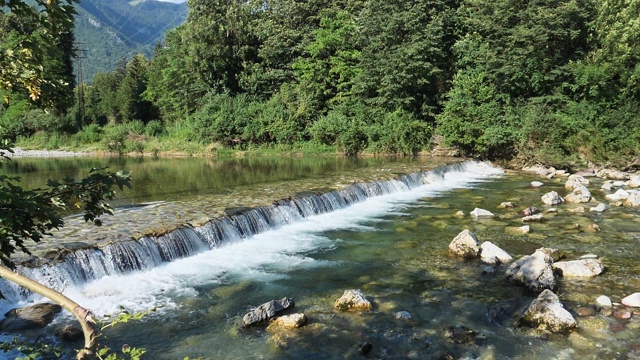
[465, 245]
[267, 311]
[534, 218]
[546, 312]
[533, 271]
[459, 334]
[632, 300]
[552, 198]
[69, 333]
[619, 195]
[518, 230]
[403, 315]
[611, 174]
[492, 254]
[459, 213]
[575, 181]
[505, 205]
[604, 301]
[580, 194]
[352, 299]
[584, 310]
[622, 314]
[633, 200]
[607, 185]
[529, 211]
[634, 182]
[536, 184]
[601, 207]
[290, 321]
[481, 213]
[579, 268]
[29, 317]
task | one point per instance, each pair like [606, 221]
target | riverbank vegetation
[556, 82]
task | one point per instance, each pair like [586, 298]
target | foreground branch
[84, 316]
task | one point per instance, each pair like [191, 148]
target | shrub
[398, 132]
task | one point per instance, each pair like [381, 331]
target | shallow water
[393, 248]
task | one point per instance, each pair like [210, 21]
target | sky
[174, 1]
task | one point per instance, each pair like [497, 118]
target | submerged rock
[459, 334]
[546, 312]
[632, 300]
[600, 208]
[266, 311]
[466, 245]
[552, 198]
[70, 333]
[492, 254]
[534, 218]
[604, 301]
[29, 317]
[403, 315]
[580, 194]
[352, 300]
[481, 213]
[505, 204]
[579, 268]
[533, 271]
[536, 184]
[290, 321]
[633, 200]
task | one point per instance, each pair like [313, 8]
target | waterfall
[85, 265]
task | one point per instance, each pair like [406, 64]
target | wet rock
[70, 333]
[492, 254]
[466, 245]
[533, 271]
[459, 334]
[266, 311]
[552, 198]
[633, 200]
[290, 321]
[634, 182]
[536, 184]
[488, 270]
[534, 218]
[585, 311]
[632, 300]
[606, 311]
[607, 185]
[600, 208]
[617, 327]
[579, 268]
[622, 314]
[459, 213]
[546, 312]
[586, 173]
[579, 195]
[29, 317]
[352, 300]
[619, 195]
[505, 205]
[575, 181]
[579, 209]
[365, 348]
[594, 228]
[481, 213]
[529, 211]
[604, 301]
[403, 315]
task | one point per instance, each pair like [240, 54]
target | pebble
[616, 327]
[585, 311]
[606, 311]
[604, 301]
[403, 315]
[632, 300]
[622, 314]
[536, 184]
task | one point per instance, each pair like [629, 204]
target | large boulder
[465, 245]
[266, 311]
[575, 181]
[580, 194]
[29, 317]
[634, 182]
[546, 312]
[290, 321]
[533, 271]
[352, 300]
[552, 198]
[492, 254]
[613, 174]
[632, 300]
[579, 268]
[618, 195]
[633, 200]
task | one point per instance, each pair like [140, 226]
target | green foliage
[398, 132]
[32, 351]
[90, 134]
[115, 138]
[344, 127]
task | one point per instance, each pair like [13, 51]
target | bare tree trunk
[84, 316]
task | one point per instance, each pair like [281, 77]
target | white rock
[561, 173]
[633, 200]
[492, 254]
[465, 244]
[353, 300]
[536, 184]
[547, 312]
[525, 229]
[618, 183]
[575, 181]
[600, 208]
[403, 315]
[291, 321]
[608, 185]
[589, 256]
[505, 204]
[534, 271]
[613, 174]
[481, 213]
[580, 194]
[632, 300]
[634, 182]
[459, 213]
[618, 195]
[552, 198]
[604, 301]
[579, 268]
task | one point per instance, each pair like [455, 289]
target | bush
[337, 129]
[154, 128]
[90, 134]
[115, 138]
[398, 132]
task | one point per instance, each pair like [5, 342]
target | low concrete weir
[85, 264]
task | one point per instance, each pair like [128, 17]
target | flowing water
[387, 238]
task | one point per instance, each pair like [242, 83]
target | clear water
[393, 248]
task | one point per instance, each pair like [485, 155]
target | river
[392, 246]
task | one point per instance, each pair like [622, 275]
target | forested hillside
[551, 81]
[107, 31]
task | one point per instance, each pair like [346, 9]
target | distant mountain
[107, 31]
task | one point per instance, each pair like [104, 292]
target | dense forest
[557, 82]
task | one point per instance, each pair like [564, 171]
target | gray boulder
[575, 181]
[266, 311]
[579, 268]
[29, 317]
[352, 300]
[465, 245]
[546, 312]
[533, 271]
[492, 254]
[552, 198]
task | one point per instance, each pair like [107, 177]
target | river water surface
[393, 247]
